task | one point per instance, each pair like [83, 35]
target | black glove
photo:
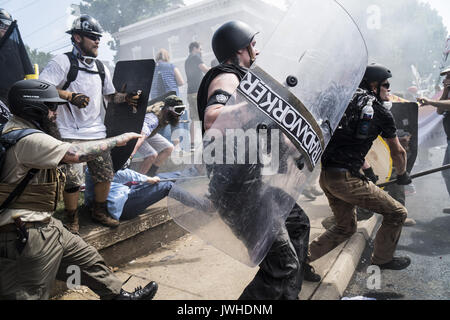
[404, 179]
[80, 100]
[371, 175]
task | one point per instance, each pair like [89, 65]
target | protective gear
[370, 174]
[79, 100]
[376, 73]
[86, 25]
[231, 37]
[31, 99]
[404, 179]
[5, 19]
[175, 105]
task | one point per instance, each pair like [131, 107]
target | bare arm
[204, 67]
[178, 77]
[89, 150]
[441, 105]
[227, 82]
[398, 155]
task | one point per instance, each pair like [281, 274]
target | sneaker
[409, 222]
[316, 192]
[310, 274]
[397, 263]
[309, 195]
[146, 293]
[100, 214]
[71, 221]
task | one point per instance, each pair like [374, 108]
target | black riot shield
[14, 61]
[261, 150]
[406, 115]
[121, 118]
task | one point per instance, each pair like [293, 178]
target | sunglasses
[92, 37]
[52, 106]
[386, 85]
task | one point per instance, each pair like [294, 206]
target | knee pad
[72, 190]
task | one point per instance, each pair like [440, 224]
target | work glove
[80, 100]
[404, 179]
[132, 99]
[371, 175]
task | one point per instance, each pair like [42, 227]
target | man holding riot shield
[234, 187]
[83, 80]
[344, 184]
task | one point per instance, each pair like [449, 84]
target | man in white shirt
[82, 80]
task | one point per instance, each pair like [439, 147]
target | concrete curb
[335, 282]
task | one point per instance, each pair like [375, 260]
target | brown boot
[100, 214]
[71, 221]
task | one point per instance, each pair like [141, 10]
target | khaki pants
[49, 252]
[344, 193]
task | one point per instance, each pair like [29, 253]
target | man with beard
[35, 248]
[82, 80]
[344, 184]
[153, 146]
[233, 186]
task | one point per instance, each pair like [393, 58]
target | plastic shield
[258, 155]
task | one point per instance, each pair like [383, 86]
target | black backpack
[7, 140]
[74, 68]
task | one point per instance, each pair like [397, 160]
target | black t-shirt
[193, 73]
[447, 124]
[347, 151]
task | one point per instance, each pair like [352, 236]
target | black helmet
[376, 73]
[5, 17]
[85, 24]
[231, 37]
[31, 99]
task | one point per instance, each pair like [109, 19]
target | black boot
[397, 263]
[146, 293]
[310, 274]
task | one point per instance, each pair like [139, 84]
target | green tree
[114, 14]
[399, 34]
[38, 57]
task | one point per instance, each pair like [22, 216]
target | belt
[342, 170]
[7, 228]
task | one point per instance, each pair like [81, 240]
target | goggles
[4, 24]
[178, 110]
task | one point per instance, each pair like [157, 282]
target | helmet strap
[252, 57]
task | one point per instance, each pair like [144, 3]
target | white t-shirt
[76, 123]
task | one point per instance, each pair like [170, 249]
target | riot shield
[120, 118]
[260, 152]
[14, 61]
[406, 116]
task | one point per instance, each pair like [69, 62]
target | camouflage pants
[344, 193]
[101, 169]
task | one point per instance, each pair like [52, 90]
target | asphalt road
[427, 244]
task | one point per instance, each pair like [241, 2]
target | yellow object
[35, 75]
[379, 158]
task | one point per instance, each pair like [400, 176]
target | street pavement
[427, 244]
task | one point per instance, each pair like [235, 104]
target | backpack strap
[74, 68]
[11, 138]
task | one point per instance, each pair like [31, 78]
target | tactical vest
[43, 196]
